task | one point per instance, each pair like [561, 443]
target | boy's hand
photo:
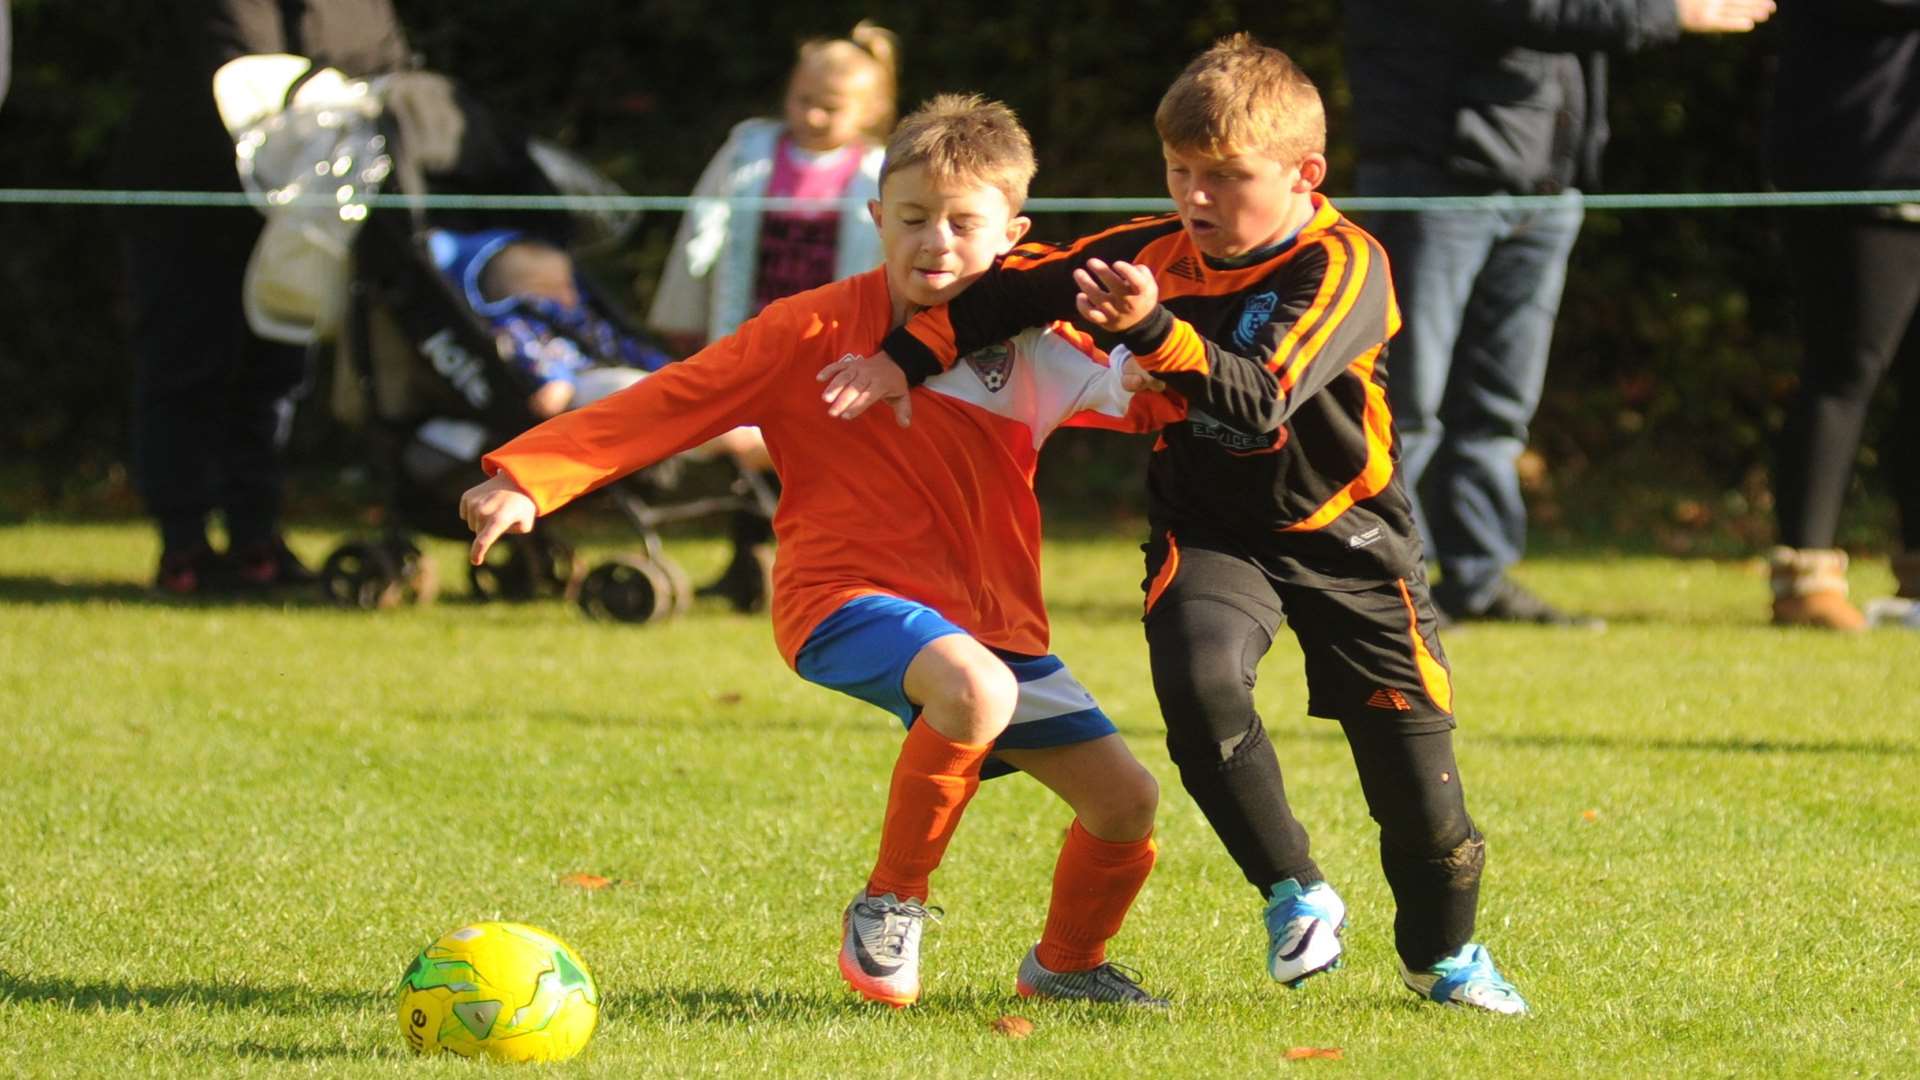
[494, 509]
[854, 383]
[1135, 379]
[1115, 297]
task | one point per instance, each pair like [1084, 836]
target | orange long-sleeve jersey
[941, 512]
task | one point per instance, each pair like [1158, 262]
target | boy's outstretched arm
[1032, 285]
[493, 509]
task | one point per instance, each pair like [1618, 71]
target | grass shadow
[723, 1005]
[45, 592]
[80, 994]
[1867, 748]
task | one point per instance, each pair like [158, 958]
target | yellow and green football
[501, 990]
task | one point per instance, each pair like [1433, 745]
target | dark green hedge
[1674, 351]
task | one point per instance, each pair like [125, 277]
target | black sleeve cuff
[914, 358]
[1150, 333]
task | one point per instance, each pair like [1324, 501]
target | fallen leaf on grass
[1303, 1053]
[589, 882]
[1013, 1027]
[731, 697]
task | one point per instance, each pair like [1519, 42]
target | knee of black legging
[1460, 861]
[1430, 839]
[1207, 690]
[1209, 748]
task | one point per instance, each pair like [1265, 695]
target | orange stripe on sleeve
[1356, 283]
[1433, 674]
[1033, 254]
[934, 329]
[1309, 319]
[1165, 577]
[1183, 350]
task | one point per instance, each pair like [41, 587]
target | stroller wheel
[679, 584]
[511, 572]
[629, 590]
[556, 569]
[419, 580]
[363, 575]
[747, 582]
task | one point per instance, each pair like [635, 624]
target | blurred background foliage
[1673, 357]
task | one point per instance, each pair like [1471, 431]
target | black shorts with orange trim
[1373, 654]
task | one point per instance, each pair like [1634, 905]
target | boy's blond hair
[968, 139]
[869, 46]
[1243, 97]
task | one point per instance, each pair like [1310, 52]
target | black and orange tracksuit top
[1287, 451]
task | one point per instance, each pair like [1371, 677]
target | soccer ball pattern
[500, 990]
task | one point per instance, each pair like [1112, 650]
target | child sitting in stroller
[526, 289]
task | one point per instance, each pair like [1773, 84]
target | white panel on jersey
[1036, 378]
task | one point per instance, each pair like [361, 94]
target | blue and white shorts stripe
[863, 650]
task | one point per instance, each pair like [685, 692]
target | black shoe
[192, 572]
[1513, 603]
[269, 565]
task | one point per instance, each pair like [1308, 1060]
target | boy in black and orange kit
[1275, 499]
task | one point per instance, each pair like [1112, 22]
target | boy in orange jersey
[907, 572]
[1275, 499]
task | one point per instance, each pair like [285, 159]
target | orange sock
[1094, 884]
[932, 781]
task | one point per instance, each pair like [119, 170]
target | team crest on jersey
[1257, 313]
[994, 365]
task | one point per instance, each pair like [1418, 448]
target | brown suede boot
[1810, 589]
[1906, 574]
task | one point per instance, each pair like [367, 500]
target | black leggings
[210, 398]
[1859, 285]
[1206, 636]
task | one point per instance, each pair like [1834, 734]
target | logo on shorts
[1360, 540]
[1388, 698]
[1257, 313]
[994, 365]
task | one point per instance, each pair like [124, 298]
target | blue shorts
[864, 647]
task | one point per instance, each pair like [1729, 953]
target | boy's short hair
[965, 138]
[1243, 97]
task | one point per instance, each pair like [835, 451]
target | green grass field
[225, 829]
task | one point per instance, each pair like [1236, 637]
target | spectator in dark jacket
[6, 50]
[1846, 115]
[1482, 97]
[210, 399]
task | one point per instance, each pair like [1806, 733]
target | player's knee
[1207, 746]
[1125, 808]
[977, 698]
[1458, 861]
[1206, 695]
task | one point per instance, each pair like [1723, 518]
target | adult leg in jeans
[1435, 256]
[1476, 514]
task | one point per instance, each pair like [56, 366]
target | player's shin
[1095, 882]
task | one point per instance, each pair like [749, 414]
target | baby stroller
[416, 361]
